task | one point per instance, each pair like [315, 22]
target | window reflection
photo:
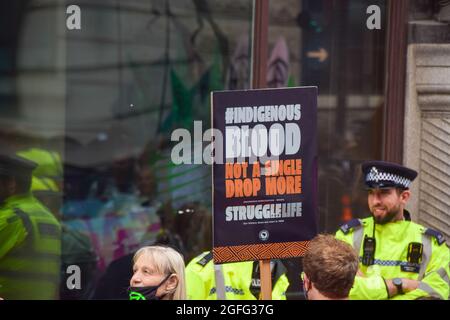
[95, 108]
[328, 45]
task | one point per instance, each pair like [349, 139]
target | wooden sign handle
[266, 280]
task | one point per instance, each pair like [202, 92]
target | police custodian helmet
[12, 165]
[381, 174]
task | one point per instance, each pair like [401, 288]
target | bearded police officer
[30, 236]
[398, 259]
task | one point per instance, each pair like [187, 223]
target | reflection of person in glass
[399, 259]
[147, 186]
[76, 247]
[46, 181]
[158, 274]
[30, 236]
[192, 223]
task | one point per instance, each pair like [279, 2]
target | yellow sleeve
[364, 288]
[279, 290]
[435, 283]
[368, 288]
[195, 285]
[12, 232]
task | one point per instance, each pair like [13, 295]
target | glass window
[327, 44]
[102, 103]
[95, 109]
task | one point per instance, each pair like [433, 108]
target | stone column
[427, 133]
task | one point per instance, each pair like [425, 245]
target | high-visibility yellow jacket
[391, 259]
[49, 162]
[49, 169]
[237, 279]
[30, 250]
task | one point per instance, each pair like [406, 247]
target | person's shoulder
[11, 222]
[201, 261]
[352, 225]
[429, 232]
[35, 206]
[437, 235]
[8, 217]
[27, 203]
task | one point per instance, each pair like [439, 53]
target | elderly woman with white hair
[158, 274]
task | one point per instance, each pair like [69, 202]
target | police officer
[30, 243]
[235, 281]
[49, 169]
[46, 178]
[398, 259]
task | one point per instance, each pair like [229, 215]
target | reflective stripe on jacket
[30, 250]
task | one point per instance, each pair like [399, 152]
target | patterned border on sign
[255, 252]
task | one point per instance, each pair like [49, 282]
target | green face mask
[135, 295]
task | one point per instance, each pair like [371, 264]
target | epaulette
[436, 234]
[205, 259]
[345, 228]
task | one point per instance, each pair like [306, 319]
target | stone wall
[427, 133]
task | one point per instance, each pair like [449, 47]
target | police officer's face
[387, 204]
[7, 186]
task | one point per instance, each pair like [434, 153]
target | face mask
[145, 293]
[305, 291]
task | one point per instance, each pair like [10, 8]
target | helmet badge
[374, 174]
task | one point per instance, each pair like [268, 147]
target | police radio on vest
[279, 139]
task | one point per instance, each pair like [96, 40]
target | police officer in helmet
[398, 258]
[30, 236]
